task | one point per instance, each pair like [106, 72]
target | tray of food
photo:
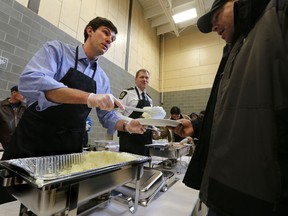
[60, 166]
[55, 185]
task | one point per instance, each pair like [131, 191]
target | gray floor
[178, 200]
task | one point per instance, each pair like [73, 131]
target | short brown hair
[97, 22]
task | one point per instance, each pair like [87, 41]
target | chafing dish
[151, 183]
[168, 150]
[171, 152]
[104, 145]
[36, 182]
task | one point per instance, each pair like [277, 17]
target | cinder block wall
[189, 101]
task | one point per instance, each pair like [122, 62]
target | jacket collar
[246, 14]
[7, 103]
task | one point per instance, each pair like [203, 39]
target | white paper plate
[158, 122]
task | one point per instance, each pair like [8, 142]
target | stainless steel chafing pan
[169, 150]
[36, 182]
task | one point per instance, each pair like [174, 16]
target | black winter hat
[204, 22]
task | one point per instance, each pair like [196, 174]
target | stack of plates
[159, 122]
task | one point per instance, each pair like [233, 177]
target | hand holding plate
[184, 129]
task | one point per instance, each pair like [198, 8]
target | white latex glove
[134, 126]
[103, 101]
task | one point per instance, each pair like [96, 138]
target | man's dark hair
[97, 22]
[175, 110]
[14, 88]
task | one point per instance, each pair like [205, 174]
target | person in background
[240, 163]
[87, 130]
[176, 114]
[193, 116]
[11, 110]
[201, 114]
[197, 123]
[135, 97]
[62, 83]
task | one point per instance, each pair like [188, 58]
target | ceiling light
[185, 15]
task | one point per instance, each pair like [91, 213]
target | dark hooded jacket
[240, 163]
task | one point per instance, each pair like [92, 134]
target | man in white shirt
[135, 97]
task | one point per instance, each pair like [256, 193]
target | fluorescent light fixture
[185, 15]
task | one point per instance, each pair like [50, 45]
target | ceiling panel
[159, 13]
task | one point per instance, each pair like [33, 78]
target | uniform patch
[122, 94]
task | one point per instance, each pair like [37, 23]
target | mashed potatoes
[155, 112]
[93, 160]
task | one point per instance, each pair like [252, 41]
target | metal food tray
[46, 170]
[168, 151]
[104, 145]
[36, 184]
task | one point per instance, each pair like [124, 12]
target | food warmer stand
[160, 177]
[35, 182]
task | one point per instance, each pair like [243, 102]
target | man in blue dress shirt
[61, 84]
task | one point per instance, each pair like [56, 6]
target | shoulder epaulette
[131, 88]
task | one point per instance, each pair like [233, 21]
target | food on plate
[155, 112]
[97, 159]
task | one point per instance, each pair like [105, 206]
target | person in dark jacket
[240, 163]
[11, 110]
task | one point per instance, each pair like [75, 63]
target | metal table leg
[72, 200]
[137, 189]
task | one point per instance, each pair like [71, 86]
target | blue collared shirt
[49, 65]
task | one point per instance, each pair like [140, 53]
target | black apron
[56, 130]
[135, 143]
